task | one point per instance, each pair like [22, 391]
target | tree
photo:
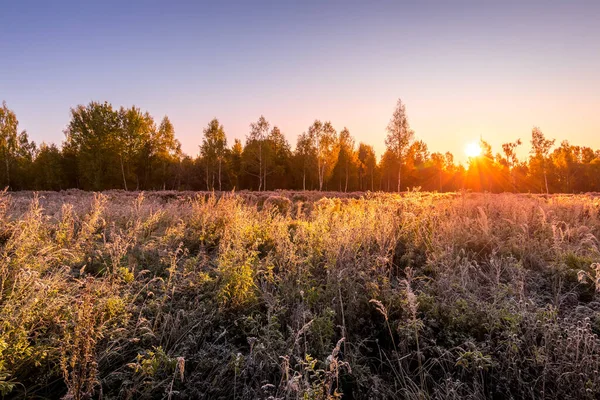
[188, 174]
[277, 159]
[452, 171]
[26, 152]
[540, 147]
[133, 143]
[13, 145]
[367, 165]
[399, 136]
[417, 157]
[235, 163]
[482, 173]
[70, 166]
[306, 156]
[438, 162]
[254, 149]
[566, 160]
[510, 155]
[213, 151]
[324, 139]
[48, 169]
[165, 150]
[586, 176]
[346, 160]
[594, 174]
[93, 135]
[387, 166]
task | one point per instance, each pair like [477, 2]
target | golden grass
[299, 295]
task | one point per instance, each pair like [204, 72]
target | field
[299, 295]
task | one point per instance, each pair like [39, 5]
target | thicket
[290, 295]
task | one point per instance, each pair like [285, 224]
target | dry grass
[288, 295]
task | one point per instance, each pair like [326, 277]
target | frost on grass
[289, 295]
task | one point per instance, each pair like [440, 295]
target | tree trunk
[514, 180]
[319, 169]
[360, 180]
[372, 178]
[164, 175]
[399, 177]
[219, 174]
[346, 187]
[123, 173]
[260, 167]
[207, 177]
[7, 172]
[304, 179]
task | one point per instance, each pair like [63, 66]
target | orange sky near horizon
[444, 124]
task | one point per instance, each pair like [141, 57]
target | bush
[282, 204]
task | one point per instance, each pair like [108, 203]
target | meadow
[299, 295]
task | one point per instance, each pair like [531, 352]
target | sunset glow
[473, 149]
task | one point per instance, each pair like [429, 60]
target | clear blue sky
[464, 68]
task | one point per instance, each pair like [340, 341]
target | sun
[473, 149]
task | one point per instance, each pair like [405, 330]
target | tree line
[125, 148]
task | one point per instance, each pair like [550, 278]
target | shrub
[282, 204]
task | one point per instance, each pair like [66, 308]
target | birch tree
[9, 139]
[540, 147]
[510, 154]
[399, 137]
[324, 138]
[305, 155]
[255, 150]
[213, 151]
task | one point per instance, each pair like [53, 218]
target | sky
[464, 69]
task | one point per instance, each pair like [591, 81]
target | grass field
[290, 295]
